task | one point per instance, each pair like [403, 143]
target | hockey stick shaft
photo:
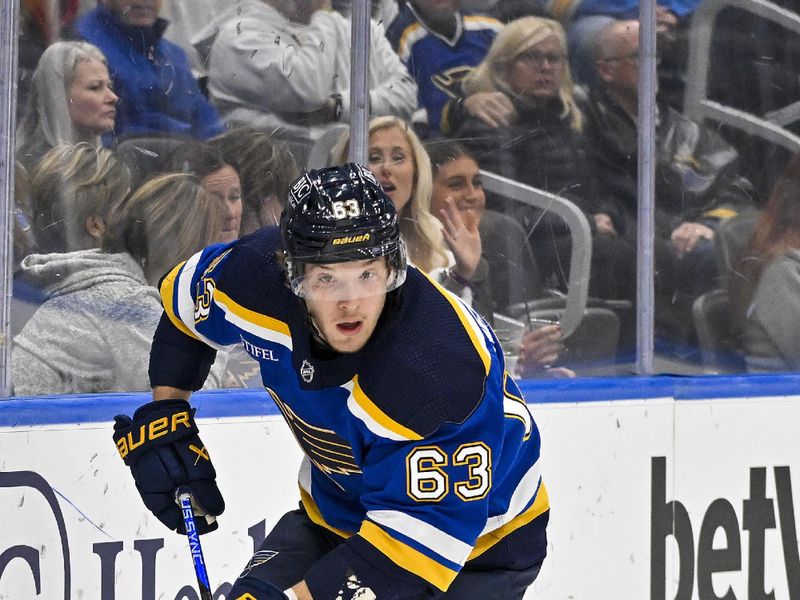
[185, 502]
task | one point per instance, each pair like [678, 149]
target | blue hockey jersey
[438, 64]
[420, 451]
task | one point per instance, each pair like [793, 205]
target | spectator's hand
[686, 237]
[604, 224]
[539, 349]
[493, 108]
[666, 24]
[460, 231]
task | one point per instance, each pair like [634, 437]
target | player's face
[224, 185]
[137, 13]
[391, 160]
[436, 9]
[538, 72]
[92, 102]
[345, 300]
[459, 179]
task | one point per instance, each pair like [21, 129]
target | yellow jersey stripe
[263, 326]
[539, 506]
[721, 213]
[316, 516]
[372, 415]
[167, 292]
[407, 557]
[467, 321]
[403, 47]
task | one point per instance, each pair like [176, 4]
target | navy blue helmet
[340, 214]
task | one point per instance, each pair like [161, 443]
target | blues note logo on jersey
[329, 452]
[259, 558]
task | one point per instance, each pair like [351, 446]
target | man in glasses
[697, 184]
[421, 473]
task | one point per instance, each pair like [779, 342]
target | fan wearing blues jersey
[421, 476]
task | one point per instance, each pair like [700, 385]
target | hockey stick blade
[184, 498]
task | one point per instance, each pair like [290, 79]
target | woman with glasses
[538, 141]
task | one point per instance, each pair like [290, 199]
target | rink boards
[660, 488]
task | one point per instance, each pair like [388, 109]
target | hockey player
[421, 471]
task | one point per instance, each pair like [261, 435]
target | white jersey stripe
[373, 425]
[517, 409]
[525, 492]
[264, 333]
[426, 534]
[183, 289]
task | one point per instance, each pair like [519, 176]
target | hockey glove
[161, 446]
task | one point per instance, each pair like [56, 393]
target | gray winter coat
[772, 331]
[93, 333]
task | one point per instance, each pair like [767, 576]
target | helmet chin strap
[316, 333]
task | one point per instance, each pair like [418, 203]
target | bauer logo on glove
[152, 431]
[162, 447]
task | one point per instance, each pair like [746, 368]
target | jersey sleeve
[191, 328]
[193, 301]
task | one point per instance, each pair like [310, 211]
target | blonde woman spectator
[73, 189]
[71, 101]
[94, 331]
[450, 250]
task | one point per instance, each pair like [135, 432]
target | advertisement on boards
[651, 499]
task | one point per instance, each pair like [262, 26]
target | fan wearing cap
[421, 476]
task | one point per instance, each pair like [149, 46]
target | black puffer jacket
[697, 171]
[540, 150]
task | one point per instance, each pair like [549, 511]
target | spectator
[439, 44]
[217, 177]
[512, 270]
[73, 189]
[40, 25]
[697, 180]
[457, 181]
[450, 253]
[287, 69]
[527, 64]
[71, 100]
[765, 286]
[94, 331]
[540, 143]
[266, 169]
[158, 93]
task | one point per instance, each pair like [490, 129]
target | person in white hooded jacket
[93, 332]
[285, 65]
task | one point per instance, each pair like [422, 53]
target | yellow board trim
[380, 417]
[539, 507]
[407, 557]
[167, 292]
[251, 316]
[482, 352]
[316, 516]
